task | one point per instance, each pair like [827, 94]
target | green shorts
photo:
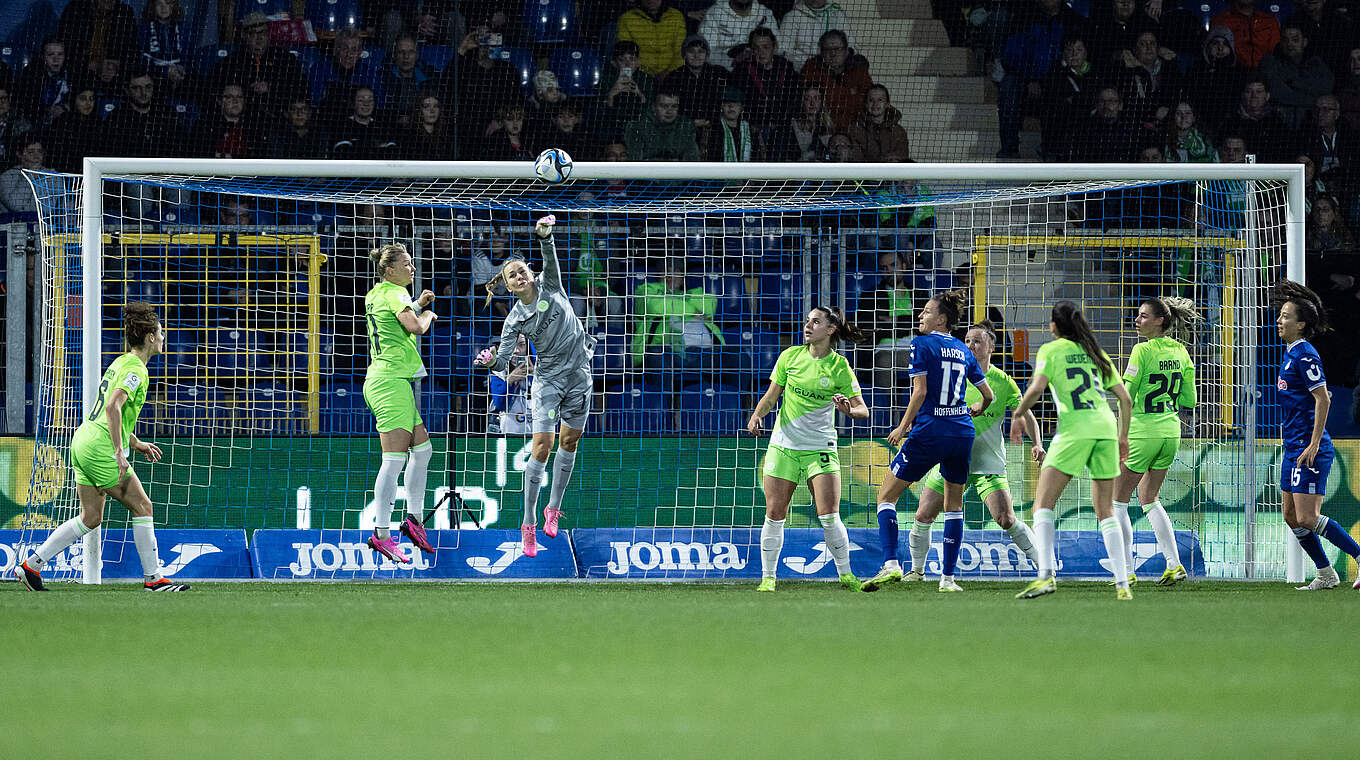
[393, 403]
[986, 485]
[92, 458]
[1152, 453]
[1072, 456]
[798, 466]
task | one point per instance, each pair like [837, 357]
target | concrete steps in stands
[886, 53]
[897, 8]
[965, 144]
[936, 89]
[920, 32]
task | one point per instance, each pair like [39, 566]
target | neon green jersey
[989, 451]
[129, 373]
[806, 420]
[392, 350]
[1161, 378]
[1078, 390]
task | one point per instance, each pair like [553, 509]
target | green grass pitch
[634, 670]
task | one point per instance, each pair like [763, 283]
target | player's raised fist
[544, 226]
[485, 358]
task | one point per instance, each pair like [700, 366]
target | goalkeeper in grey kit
[562, 389]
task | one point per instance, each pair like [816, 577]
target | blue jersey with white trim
[946, 364]
[1300, 374]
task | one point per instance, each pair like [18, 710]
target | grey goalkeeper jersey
[563, 347]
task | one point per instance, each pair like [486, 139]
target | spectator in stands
[16, 194]
[509, 392]
[1114, 34]
[628, 89]
[364, 133]
[1233, 149]
[1215, 79]
[1330, 31]
[1176, 27]
[1295, 77]
[76, 134]
[510, 142]
[844, 79]
[1259, 125]
[732, 138]
[1348, 91]
[660, 135]
[699, 84]
[1069, 95]
[298, 136]
[141, 125]
[769, 83]
[658, 30]
[95, 29]
[1028, 55]
[230, 133]
[1255, 32]
[271, 77]
[1326, 230]
[108, 83]
[1334, 150]
[1185, 142]
[430, 132]
[888, 316]
[44, 89]
[1150, 86]
[1107, 135]
[347, 70]
[165, 43]
[1333, 272]
[404, 78]
[477, 85]
[1313, 188]
[486, 265]
[1151, 154]
[727, 27]
[802, 28]
[675, 337]
[562, 129]
[877, 131]
[840, 149]
[12, 126]
[235, 211]
[547, 96]
[807, 135]
[429, 22]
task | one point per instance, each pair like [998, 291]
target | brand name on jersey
[546, 321]
[814, 395]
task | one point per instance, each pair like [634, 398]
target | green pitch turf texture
[615, 670]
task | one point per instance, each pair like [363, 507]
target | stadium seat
[858, 286]
[1082, 7]
[733, 302]
[436, 56]
[277, 8]
[207, 58]
[189, 409]
[712, 410]
[578, 70]
[636, 410]
[434, 406]
[233, 352]
[334, 15]
[271, 409]
[781, 296]
[1206, 9]
[611, 354]
[550, 20]
[344, 411]
[1282, 9]
[16, 57]
[522, 61]
[181, 352]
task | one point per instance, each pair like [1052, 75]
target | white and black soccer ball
[553, 165]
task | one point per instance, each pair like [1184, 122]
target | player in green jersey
[987, 469]
[803, 443]
[1161, 380]
[1089, 438]
[394, 321]
[99, 456]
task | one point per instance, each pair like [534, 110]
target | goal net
[692, 279]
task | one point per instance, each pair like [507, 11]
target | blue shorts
[1313, 480]
[919, 455]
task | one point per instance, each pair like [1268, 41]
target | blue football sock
[1310, 543]
[953, 539]
[887, 531]
[1328, 529]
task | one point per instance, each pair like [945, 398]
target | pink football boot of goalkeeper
[530, 541]
[550, 518]
[388, 548]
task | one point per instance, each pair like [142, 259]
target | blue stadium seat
[189, 409]
[271, 409]
[578, 70]
[436, 56]
[232, 352]
[434, 406]
[270, 8]
[334, 15]
[522, 61]
[858, 286]
[758, 349]
[181, 351]
[636, 410]
[1206, 9]
[712, 410]
[207, 58]
[733, 303]
[550, 20]
[343, 410]
[1282, 9]
[16, 57]
[781, 296]
[1081, 6]
[611, 354]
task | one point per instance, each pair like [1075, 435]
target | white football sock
[65, 535]
[1121, 513]
[144, 536]
[771, 543]
[1166, 534]
[417, 467]
[1023, 538]
[1045, 538]
[385, 491]
[1114, 548]
[563, 464]
[533, 483]
[918, 543]
[837, 541]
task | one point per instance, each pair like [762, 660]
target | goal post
[1018, 235]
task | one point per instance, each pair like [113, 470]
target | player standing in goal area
[1308, 451]
[803, 443]
[394, 321]
[562, 380]
[99, 456]
[987, 468]
[941, 433]
[1089, 437]
[1161, 380]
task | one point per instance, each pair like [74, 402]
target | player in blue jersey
[1308, 451]
[941, 432]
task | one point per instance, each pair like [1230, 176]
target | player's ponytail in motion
[1307, 306]
[495, 282]
[383, 257]
[1177, 315]
[951, 304]
[1071, 324]
[845, 329]
[139, 320]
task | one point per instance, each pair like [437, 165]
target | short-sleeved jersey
[946, 364]
[129, 373]
[806, 420]
[1161, 379]
[550, 323]
[989, 451]
[1078, 390]
[1300, 374]
[392, 349]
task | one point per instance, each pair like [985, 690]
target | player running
[1089, 437]
[1161, 380]
[394, 321]
[562, 381]
[941, 433]
[1308, 451]
[803, 444]
[987, 470]
[99, 456]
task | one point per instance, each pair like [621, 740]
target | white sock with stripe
[918, 543]
[144, 536]
[1045, 538]
[771, 544]
[1121, 513]
[65, 535]
[837, 541]
[385, 491]
[1023, 538]
[533, 483]
[563, 464]
[417, 467]
[1166, 534]
[1114, 547]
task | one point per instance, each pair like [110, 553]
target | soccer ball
[553, 165]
